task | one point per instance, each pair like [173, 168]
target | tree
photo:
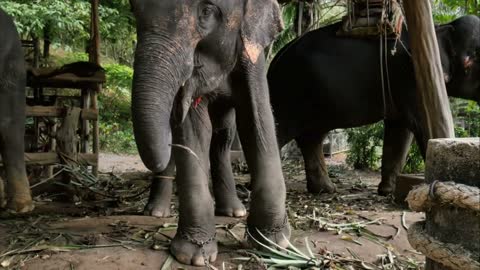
[67, 23]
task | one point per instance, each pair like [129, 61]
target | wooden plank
[52, 158]
[52, 111]
[434, 115]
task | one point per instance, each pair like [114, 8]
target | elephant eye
[207, 11]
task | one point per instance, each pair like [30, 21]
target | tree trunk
[434, 108]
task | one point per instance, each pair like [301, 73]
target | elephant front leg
[194, 242]
[227, 202]
[257, 133]
[161, 192]
[315, 166]
[396, 144]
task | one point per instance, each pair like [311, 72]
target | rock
[403, 184]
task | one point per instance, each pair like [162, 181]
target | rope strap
[450, 255]
[424, 197]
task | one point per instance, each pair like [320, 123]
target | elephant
[197, 64]
[326, 98]
[321, 81]
[16, 197]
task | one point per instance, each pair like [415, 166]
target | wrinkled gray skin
[15, 194]
[342, 101]
[214, 50]
[337, 84]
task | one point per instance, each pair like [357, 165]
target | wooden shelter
[64, 109]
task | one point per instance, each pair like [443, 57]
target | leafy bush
[469, 114]
[116, 125]
[364, 143]
[415, 163]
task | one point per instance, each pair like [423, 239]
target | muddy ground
[102, 227]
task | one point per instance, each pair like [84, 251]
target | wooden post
[85, 128]
[301, 6]
[432, 100]
[94, 54]
[96, 132]
[95, 58]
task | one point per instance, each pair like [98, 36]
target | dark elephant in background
[15, 195]
[196, 62]
[322, 82]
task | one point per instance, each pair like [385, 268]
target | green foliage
[467, 115]
[115, 101]
[415, 161]
[323, 12]
[66, 19]
[447, 10]
[364, 146]
[67, 22]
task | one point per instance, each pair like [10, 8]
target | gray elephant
[195, 63]
[331, 90]
[16, 197]
[322, 81]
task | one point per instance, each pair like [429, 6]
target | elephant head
[459, 43]
[185, 50]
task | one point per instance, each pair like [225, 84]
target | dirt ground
[102, 226]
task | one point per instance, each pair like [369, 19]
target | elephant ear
[262, 22]
[447, 50]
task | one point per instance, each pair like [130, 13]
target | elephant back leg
[161, 192]
[311, 145]
[397, 139]
[17, 187]
[227, 202]
[12, 133]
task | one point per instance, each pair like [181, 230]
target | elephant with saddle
[323, 81]
[15, 196]
[196, 63]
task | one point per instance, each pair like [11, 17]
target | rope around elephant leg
[422, 199]
[450, 255]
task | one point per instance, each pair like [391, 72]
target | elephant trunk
[157, 79]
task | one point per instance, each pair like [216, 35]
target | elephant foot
[230, 207]
[279, 234]
[160, 196]
[159, 209]
[188, 250]
[385, 188]
[20, 204]
[3, 202]
[321, 185]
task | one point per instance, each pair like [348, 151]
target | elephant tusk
[185, 108]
